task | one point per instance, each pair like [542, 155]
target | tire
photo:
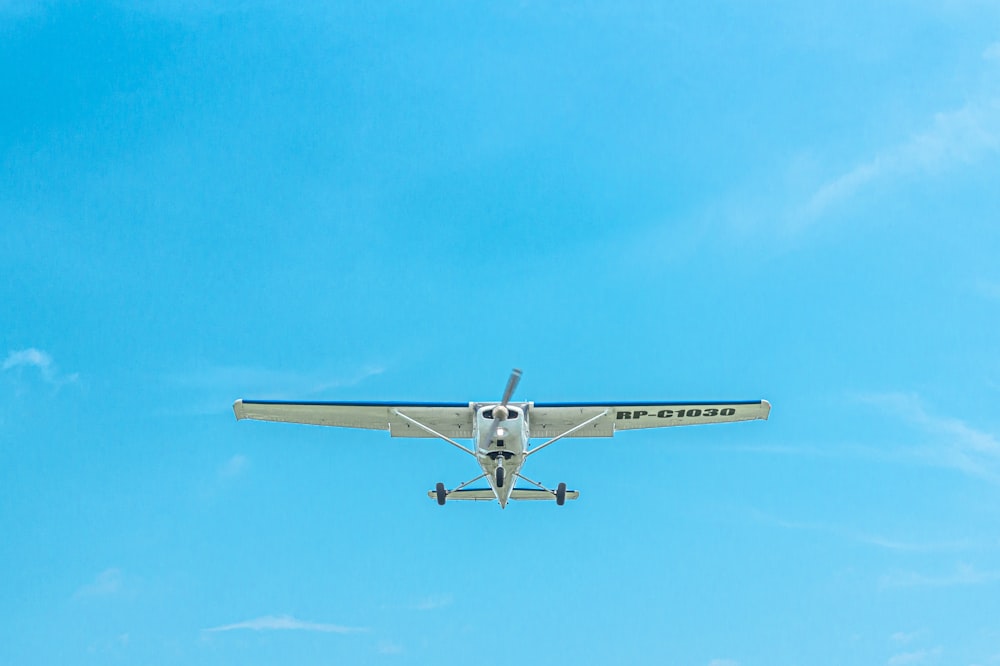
[441, 494]
[499, 477]
[561, 494]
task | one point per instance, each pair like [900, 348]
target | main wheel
[499, 477]
[441, 494]
[561, 494]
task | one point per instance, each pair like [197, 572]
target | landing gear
[499, 477]
[561, 494]
[442, 495]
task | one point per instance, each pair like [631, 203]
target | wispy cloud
[955, 443]
[389, 648]
[960, 136]
[964, 574]
[433, 603]
[904, 637]
[912, 546]
[234, 467]
[214, 387]
[285, 623]
[877, 540]
[989, 288]
[270, 381]
[991, 659]
[223, 477]
[23, 8]
[108, 583]
[115, 644]
[954, 137]
[805, 450]
[916, 657]
[36, 359]
[428, 603]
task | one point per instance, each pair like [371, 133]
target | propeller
[500, 412]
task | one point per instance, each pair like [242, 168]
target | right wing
[548, 420]
[452, 419]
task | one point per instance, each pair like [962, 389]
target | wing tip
[766, 407]
[238, 409]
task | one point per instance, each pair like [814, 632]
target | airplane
[501, 430]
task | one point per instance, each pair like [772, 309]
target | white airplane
[500, 430]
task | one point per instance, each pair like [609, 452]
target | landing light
[500, 432]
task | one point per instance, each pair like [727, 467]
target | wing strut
[565, 434]
[535, 483]
[460, 486]
[434, 432]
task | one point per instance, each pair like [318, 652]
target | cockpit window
[512, 414]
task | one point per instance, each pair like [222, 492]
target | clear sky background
[201, 201]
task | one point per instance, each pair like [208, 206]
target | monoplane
[500, 431]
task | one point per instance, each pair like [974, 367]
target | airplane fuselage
[501, 443]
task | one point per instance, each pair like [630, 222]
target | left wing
[548, 420]
[452, 419]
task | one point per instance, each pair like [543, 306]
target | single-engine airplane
[500, 430]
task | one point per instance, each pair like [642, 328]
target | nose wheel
[500, 476]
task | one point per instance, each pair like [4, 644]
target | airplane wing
[452, 419]
[548, 420]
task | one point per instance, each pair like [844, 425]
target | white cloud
[917, 657]
[234, 467]
[989, 288]
[214, 387]
[110, 645]
[29, 357]
[389, 648]
[38, 360]
[433, 603]
[960, 136]
[806, 450]
[877, 540]
[261, 379]
[964, 133]
[285, 623]
[23, 8]
[951, 138]
[992, 659]
[956, 443]
[964, 574]
[912, 546]
[109, 582]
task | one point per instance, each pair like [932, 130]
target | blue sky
[706, 200]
